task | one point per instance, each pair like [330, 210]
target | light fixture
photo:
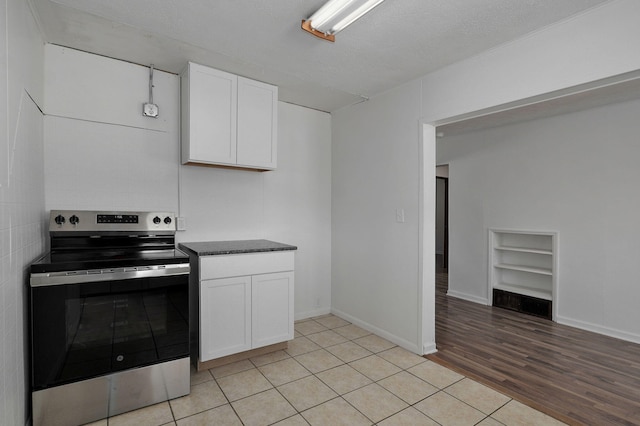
[336, 15]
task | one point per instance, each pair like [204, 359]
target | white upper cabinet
[209, 115]
[257, 124]
[227, 120]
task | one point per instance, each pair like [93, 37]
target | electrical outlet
[317, 302]
[181, 224]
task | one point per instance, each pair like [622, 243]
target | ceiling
[398, 41]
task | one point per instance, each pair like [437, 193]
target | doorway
[442, 219]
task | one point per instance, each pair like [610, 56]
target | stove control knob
[74, 220]
[156, 220]
[60, 220]
[167, 220]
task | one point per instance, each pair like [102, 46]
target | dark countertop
[213, 248]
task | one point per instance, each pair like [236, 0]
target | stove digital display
[117, 218]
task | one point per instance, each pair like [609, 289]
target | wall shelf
[523, 265]
[541, 271]
[524, 250]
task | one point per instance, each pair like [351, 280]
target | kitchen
[128, 162]
[310, 189]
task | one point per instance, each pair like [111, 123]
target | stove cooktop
[105, 259]
[85, 240]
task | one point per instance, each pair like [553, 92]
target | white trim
[595, 328]
[468, 297]
[426, 238]
[310, 314]
[429, 349]
[410, 346]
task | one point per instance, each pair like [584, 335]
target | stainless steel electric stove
[109, 316]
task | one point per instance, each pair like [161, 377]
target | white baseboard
[611, 332]
[310, 314]
[468, 297]
[583, 325]
[429, 348]
[410, 346]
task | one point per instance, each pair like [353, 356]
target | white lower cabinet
[225, 317]
[246, 311]
[271, 308]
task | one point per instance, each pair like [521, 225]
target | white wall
[291, 204]
[298, 203]
[376, 170]
[595, 45]
[442, 171]
[21, 197]
[588, 50]
[576, 174]
[101, 153]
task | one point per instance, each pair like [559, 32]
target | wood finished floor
[573, 375]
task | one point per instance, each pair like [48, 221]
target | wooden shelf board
[533, 270]
[524, 250]
[527, 291]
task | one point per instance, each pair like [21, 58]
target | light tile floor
[335, 373]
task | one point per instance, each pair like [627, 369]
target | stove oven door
[106, 326]
[90, 329]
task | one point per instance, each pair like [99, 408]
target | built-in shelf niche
[523, 263]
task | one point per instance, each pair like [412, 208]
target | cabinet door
[225, 317]
[272, 308]
[209, 115]
[257, 124]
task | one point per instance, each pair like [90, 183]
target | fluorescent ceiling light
[336, 15]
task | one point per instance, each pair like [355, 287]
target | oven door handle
[110, 274]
